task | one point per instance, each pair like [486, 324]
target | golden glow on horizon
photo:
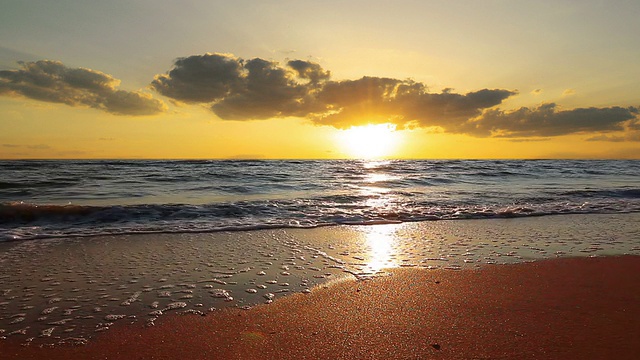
[79, 133]
[370, 141]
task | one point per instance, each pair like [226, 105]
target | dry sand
[578, 308]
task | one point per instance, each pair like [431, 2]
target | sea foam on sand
[71, 290]
[576, 308]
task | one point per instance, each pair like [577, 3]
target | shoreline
[564, 308]
[79, 288]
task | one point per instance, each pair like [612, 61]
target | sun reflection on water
[374, 184]
[381, 239]
[379, 177]
[374, 164]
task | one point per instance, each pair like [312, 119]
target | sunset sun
[369, 141]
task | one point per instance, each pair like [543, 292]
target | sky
[319, 79]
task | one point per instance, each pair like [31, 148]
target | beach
[559, 287]
[578, 308]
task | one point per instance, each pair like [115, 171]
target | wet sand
[53, 289]
[572, 308]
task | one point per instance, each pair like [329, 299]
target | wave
[139, 196]
[22, 221]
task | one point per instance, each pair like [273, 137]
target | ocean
[87, 244]
[79, 198]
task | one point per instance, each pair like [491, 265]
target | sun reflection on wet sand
[381, 241]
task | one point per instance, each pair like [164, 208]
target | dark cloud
[448, 110]
[402, 102]
[242, 90]
[201, 78]
[237, 89]
[51, 81]
[547, 120]
[259, 89]
[267, 91]
[308, 70]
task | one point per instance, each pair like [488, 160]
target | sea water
[91, 243]
[45, 199]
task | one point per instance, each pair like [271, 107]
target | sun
[369, 141]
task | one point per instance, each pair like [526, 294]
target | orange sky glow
[360, 79]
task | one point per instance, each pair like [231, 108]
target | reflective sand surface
[70, 289]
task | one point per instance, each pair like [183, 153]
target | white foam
[175, 305]
[47, 332]
[49, 310]
[219, 293]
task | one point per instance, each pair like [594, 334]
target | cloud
[51, 81]
[309, 70]
[201, 78]
[546, 120]
[267, 91]
[402, 102]
[568, 92]
[236, 89]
